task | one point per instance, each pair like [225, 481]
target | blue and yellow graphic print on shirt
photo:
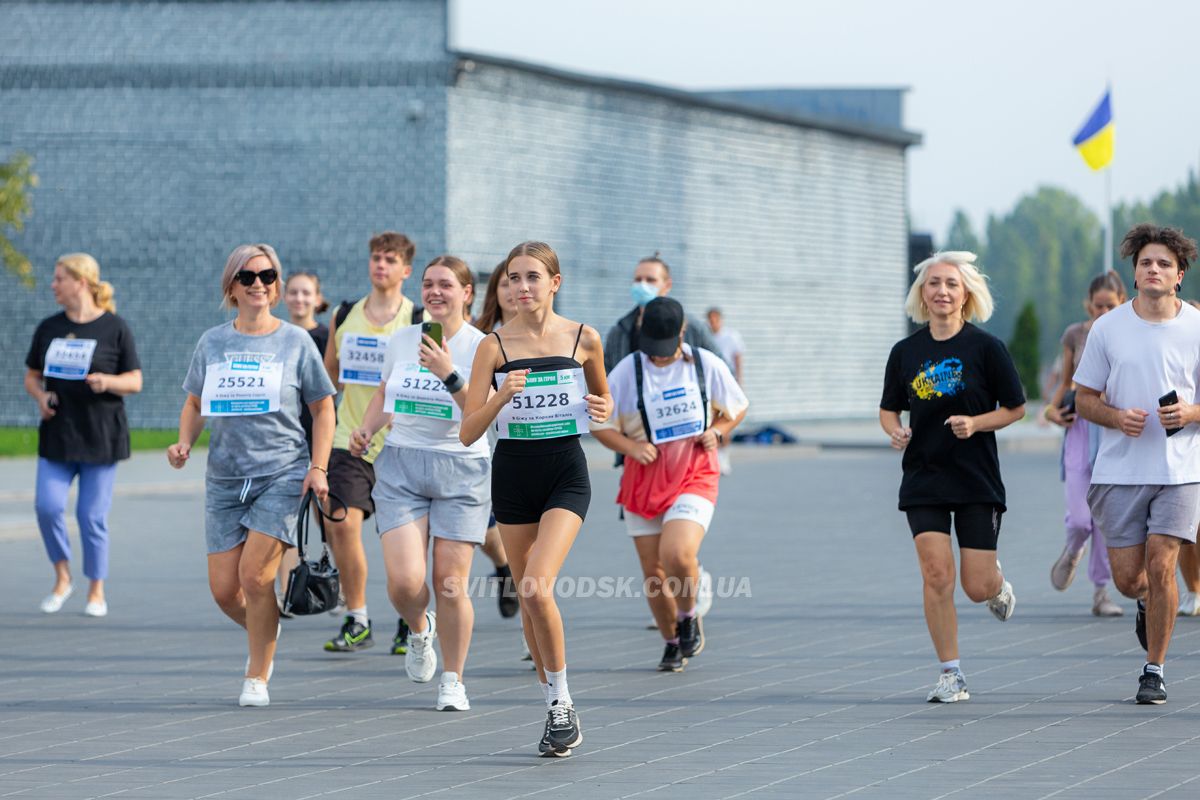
[943, 379]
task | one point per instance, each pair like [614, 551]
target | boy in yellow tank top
[354, 359]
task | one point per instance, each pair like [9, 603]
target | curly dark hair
[1173, 239]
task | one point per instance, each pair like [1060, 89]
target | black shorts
[977, 525]
[526, 486]
[351, 480]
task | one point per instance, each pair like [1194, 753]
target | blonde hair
[237, 260]
[82, 267]
[979, 305]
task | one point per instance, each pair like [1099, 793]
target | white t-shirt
[428, 433]
[1135, 362]
[724, 394]
[730, 343]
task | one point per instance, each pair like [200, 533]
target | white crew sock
[360, 616]
[558, 687]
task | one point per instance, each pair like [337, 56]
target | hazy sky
[997, 90]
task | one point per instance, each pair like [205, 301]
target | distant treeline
[1048, 248]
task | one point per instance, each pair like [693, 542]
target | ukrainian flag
[1095, 139]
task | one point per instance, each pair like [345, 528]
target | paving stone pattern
[812, 687]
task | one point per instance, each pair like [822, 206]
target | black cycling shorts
[977, 525]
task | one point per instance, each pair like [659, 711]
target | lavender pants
[91, 510]
[1077, 475]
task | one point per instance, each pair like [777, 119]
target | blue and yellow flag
[1095, 139]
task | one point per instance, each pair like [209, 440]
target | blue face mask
[643, 293]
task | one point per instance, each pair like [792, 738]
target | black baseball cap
[662, 321]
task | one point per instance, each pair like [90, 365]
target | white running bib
[551, 406]
[241, 387]
[414, 390]
[676, 413]
[69, 359]
[360, 359]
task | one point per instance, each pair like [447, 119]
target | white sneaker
[254, 693]
[951, 687]
[1005, 601]
[420, 662]
[54, 602]
[94, 609]
[704, 593]
[1189, 604]
[452, 696]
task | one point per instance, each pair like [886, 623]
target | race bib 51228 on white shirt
[69, 359]
[360, 359]
[552, 405]
[241, 386]
[414, 390]
[676, 413]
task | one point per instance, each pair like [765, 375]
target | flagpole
[1108, 219]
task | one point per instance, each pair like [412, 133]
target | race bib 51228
[552, 405]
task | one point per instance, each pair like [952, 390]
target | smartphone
[1068, 402]
[1169, 399]
[433, 330]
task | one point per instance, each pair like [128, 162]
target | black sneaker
[544, 747]
[351, 638]
[672, 661]
[1139, 624]
[562, 729]
[690, 631]
[1151, 689]
[400, 643]
[509, 605]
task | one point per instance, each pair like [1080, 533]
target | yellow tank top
[356, 397]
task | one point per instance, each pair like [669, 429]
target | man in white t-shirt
[1144, 357]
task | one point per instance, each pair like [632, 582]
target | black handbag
[312, 586]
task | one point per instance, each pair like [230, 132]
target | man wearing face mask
[651, 279]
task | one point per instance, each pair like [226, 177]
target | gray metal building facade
[165, 133]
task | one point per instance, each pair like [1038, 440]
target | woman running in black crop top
[540, 486]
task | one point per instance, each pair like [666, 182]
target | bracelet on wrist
[318, 466]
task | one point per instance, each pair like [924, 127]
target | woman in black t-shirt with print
[81, 363]
[959, 385]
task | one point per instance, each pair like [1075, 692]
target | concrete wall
[167, 133]
[793, 231]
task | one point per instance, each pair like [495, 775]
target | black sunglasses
[246, 277]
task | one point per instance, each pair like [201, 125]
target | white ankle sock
[558, 687]
[951, 666]
[450, 677]
[360, 615]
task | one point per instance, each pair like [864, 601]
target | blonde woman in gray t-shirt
[247, 380]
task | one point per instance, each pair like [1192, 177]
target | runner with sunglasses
[247, 380]
[675, 405]
[543, 400]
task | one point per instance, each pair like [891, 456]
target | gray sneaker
[1063, 571]
[1005, 601]
[420, 662]
[951, 687]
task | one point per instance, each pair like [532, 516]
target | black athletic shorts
[351, 480]
[530, 478]
[977, 525]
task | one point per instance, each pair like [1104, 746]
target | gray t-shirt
[260, 444]
[1075, 337]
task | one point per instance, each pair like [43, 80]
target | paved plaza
[813, 686]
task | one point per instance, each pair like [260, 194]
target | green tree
[16, 180]
[1178, 208]
[1024, 349]
[1045, 250]
[962, 236]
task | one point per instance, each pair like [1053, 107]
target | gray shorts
[233, 507]
[455, 492]
[1126, 515]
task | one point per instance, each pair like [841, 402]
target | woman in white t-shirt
[674, 407]
[427, 483]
